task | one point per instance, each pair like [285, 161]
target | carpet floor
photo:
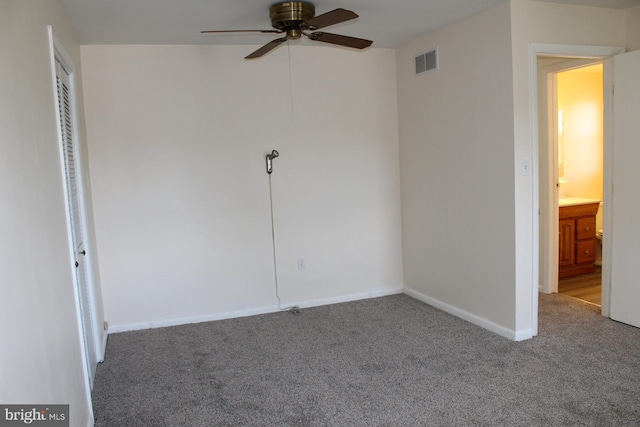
[390, 361]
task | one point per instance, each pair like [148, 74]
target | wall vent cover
[427, 61]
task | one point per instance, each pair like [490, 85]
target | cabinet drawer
[585, 228]
[586, 251]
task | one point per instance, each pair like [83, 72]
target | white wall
[450, 188]
[178, 136]
[541, 22]
[633, 28]
[456, 130]
[40, 355]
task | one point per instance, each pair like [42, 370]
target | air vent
[427, 61]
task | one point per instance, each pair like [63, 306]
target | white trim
[374, 293]
[535, 183]
[103, 345]
[252, 312]
[177, 321]
[607, 223]
[56, 50]
[559, 50]
[91, 422]
[472, 318]
[572, 64]
[526, 334]
[548, 270]
[575, 50]
[469, 317]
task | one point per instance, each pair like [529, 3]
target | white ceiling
[389, 23]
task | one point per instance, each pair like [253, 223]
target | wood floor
[586, 287]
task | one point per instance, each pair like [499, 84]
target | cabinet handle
[586, 252]
[587, 228]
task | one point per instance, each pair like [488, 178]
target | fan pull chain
[293, 309]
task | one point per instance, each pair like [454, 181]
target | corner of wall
[633, 29]
[470, 317]
[43, 350]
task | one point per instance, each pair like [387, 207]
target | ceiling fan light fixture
[296, 19]
[290, 14]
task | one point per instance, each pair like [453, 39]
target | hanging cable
[273, 243]
[294, 309]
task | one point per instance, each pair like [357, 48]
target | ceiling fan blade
[340, 40]
[239, 31]
[330, 18]
[266, 48]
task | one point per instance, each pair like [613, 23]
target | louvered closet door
[75, 216]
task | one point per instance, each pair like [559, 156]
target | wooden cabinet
[567, 231]
[577, 239]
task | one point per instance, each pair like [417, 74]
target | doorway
[545, 205]
[576, 139]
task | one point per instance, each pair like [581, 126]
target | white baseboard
[90, 421]
[469, 317]
[162, 323]
[252, 312]
[352, 297]
[527, 334]
[476, 320]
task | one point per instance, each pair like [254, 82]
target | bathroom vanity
[577, 236]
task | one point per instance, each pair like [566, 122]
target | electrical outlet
[302, 263]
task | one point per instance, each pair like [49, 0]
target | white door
[625, 235]
[65, 104]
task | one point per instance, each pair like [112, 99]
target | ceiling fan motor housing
[289, 16]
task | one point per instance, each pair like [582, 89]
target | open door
[625, 205]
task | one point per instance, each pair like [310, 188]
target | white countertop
[574, 201]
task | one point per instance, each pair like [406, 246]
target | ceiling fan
[297, 19]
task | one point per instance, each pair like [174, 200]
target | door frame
[545, 252]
